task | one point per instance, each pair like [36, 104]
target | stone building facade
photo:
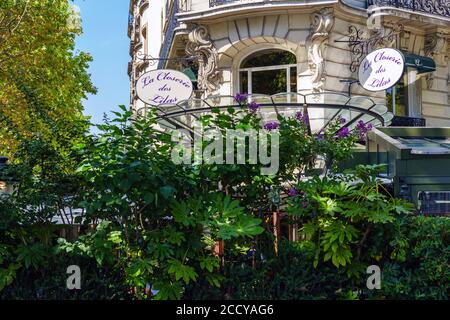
[327, 39]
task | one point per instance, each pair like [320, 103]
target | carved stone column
[434, 43]
[323, 22]
[201, 46]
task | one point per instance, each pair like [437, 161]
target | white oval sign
[381, 69]
[164, 86]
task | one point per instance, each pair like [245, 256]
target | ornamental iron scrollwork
[361, 46]
[436, 7]
[151, 61]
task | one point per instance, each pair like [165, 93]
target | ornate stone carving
[434, 43]
[201, 46]
[386, 37]
[405, 41]
[447, 61]
[323, 22]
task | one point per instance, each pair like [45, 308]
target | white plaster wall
[436, 100]
[152, 17]
[236, 39]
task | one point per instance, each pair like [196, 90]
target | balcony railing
[130, 24]
[168, 36]
[137, 29]
[214, 3]
[132, 44]
[130, 68]
[435, 7]
[184, 5]
[143, 3]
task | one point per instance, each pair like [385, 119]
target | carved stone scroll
[323, 22]
[201, 46]
[434, 43]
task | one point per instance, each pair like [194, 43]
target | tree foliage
[42, 78]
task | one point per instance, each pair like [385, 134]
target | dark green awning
[421, 63]
[191, 74]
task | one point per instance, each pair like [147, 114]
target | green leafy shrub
[150, 226]
[422, 273]
[49, 281]
[290, 275]
[416, 260]
[161, 220]
[337, 213]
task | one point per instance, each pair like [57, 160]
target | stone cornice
[249, 8]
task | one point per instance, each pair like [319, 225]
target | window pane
[401, 108]
[389, 95]
[293, 79]
[269, 82]
[269, 58]
[398, 105]
[243, 85]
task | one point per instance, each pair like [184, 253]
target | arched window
[268, 72]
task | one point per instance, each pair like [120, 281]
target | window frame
[251, 70]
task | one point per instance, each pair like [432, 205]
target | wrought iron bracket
[361, 46]
[152, 60]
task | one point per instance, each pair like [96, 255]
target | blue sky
[105, 38]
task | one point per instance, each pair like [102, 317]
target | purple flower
[320, 137]
[272, 125]
[305, 204]
[342, 120]
[251, 252]
[360, 125]
[343, 133]
[302, 117]
[253, 106]
[292, 192]
[241, 98]
[363, 128]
